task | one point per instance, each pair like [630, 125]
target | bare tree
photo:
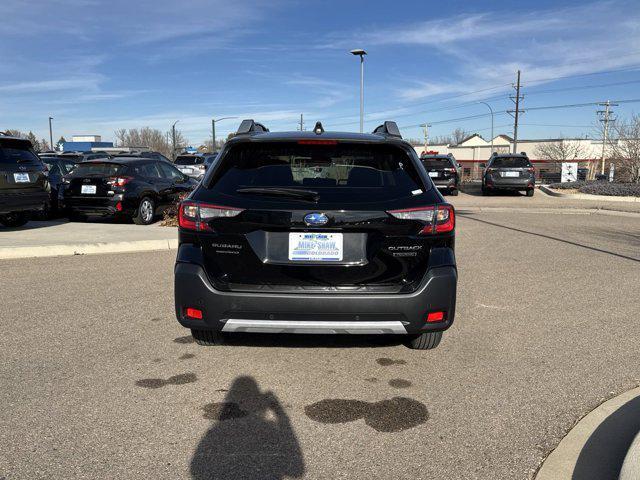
[562, 150]
[625, 148]
[151, 138]
[454, 138]
[15, 133]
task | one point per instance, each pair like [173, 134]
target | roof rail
[247, 127]
[388, 128]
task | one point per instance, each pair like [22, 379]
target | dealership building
[474, 151]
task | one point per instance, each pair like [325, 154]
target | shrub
[615, 189]
[568, 185]
[170, 215]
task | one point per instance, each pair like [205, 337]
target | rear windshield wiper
[302, 194]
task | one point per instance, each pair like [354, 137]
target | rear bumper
[101, 206]
[510, 183]
[23, 202]
[316, 313]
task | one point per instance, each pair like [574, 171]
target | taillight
[195, 215]
[118, 181]
[531, 170]
[438, 219]
[490, 170]
[449, 169]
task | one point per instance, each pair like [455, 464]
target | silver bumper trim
[320, 327]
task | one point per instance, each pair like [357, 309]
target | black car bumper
[23, 202]
[98, 206]
[317, 313]
[510, 183]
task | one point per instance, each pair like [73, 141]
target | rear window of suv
[338, 172]
[98, 168]
[510, 162]
[188, 160]
[437, 162]
[16, 151]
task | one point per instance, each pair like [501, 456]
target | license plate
[21, 177]
[434, 174]
[318, 247]
[88, 189]
[510, 174]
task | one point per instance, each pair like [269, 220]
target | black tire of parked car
[485, 192]
[142, 216]
[530, 192]
[453, 192]
[15, 219]
[424, 341]
[207, 337]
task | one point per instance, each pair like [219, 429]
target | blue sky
[98, 66]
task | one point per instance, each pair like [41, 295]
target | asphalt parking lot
[98, 380]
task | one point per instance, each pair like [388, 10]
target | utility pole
[516, 113]
[173, 136]
[605, 117]
[213, 134]
[426, 136]
[301, 122]
[51, 133]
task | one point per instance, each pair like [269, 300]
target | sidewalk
[603, 444]
[59, 237]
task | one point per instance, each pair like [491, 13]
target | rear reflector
[194, 313]
[435, 317]
[436, 219]
[119, 206]
[195, 215]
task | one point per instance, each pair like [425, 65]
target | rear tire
[530, 192]
[207, 338]
[424, 341]
[453, 192]
[15, 219]
[485, 192]
[146, 212]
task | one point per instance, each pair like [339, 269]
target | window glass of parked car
[100, 168]
[338, 172]
[188, 160]
[150, 170]
[170, 172]
[15, 154]
[437, 162]
[510, 162]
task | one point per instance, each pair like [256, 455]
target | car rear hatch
[191, 165]
[440, 169]
[21, 171]
[322, 216]
[507, 169]
[92, 183]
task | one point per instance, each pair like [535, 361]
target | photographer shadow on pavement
[251, 438]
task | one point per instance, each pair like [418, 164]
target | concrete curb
[562, 462]
[549, 210]
[586, 196]
[87, 248]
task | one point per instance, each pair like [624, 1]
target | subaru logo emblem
[316, 219]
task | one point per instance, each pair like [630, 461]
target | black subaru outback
[316, 232]
[24, 189]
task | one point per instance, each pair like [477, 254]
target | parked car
[314, 232]
[195, 165]
[57, 167]
[509, 171]
[24, 189]
[444, 170]
[138, 188]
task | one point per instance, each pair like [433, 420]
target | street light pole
[361, 53]
[213, 128]
[491, 110]
[50, 133]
